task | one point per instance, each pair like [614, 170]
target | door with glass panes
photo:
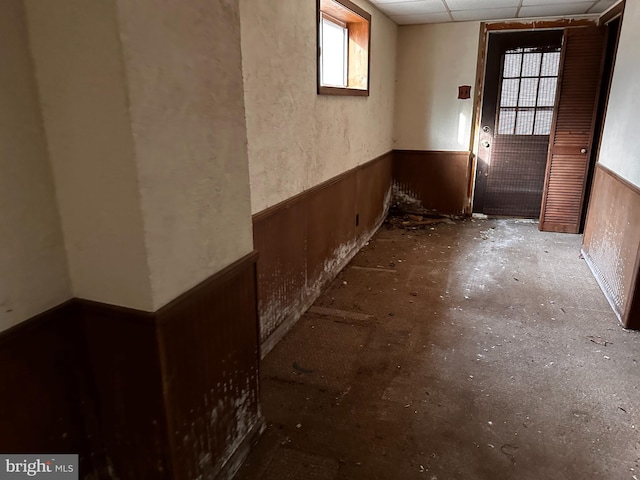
[517, 113]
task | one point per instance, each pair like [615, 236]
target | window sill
[342, 91]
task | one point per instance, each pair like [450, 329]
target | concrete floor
[480, 349]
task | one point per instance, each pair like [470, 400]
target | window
[343, 48]
[528, 91]
[334, 43]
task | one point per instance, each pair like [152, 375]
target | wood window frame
[325, 20]
[358, 24]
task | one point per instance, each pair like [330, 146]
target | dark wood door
[517, 112]
[573, 127]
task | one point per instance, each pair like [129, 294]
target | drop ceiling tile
[602, 6]
[476, 5]
[437, 17]
[485, 14]
[412, 8]
[535, 3]
[555, 10]
[384, 2]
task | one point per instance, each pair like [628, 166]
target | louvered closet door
[572, 132]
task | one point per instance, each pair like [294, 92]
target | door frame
[614, 13]
[485, 29]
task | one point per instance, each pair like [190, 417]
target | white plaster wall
[620, 150]
[298, 139]
[433, 60]
[80, 75]
[184, 75]
[33, 266]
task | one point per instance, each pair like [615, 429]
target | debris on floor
[392, 379]
[598, 340]
[402, 219]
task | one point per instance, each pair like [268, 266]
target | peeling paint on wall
[293, 296]
[403, 195]
[606, 257]
[408, 200]
[235, 411]
[278, 307]
[611, 239]
[432, 181]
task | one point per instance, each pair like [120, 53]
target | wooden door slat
[572, 130]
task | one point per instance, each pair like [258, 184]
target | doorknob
[485, 143]
[583, 150]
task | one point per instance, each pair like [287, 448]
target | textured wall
[297, 139]
[80, 75]
[148, 142]
[621, 143]
[32, 258]
[433, 60]
[184, 74]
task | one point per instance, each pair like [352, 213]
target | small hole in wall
[357, 219]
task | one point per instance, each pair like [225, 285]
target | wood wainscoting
[611, 244]
[43, 397]
[438, 181]
[170, 394]
[307, 239]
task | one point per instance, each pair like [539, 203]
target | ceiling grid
[407, 12]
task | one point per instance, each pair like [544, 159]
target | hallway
[476, 349]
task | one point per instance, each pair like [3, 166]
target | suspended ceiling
[405, 12]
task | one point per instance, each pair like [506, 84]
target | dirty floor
[480, 349]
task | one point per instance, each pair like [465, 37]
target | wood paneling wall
[43, 396]
[171, 394]
[611, 243]
[208, 340]
[306, 240]
[126, 406]
[438, 181]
